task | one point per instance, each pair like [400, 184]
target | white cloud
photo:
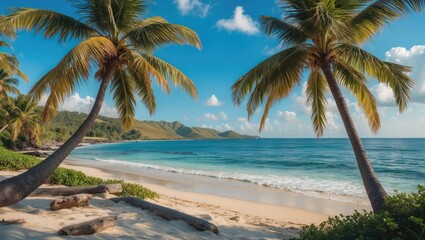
[75, 103]
[383, 94]
[239, 23]
[332, 120]
[253, 128]
[213, 101]
[196, 7]
[223, 115]
[210, 117]
[287, 116]
[415, 58]
[224, 127]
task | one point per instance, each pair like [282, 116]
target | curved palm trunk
[13, 190]
[374, 189]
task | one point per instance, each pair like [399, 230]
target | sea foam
[336, 190]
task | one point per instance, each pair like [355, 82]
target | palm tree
[323, 36]
[7, 85]
[9, 64]
[24, 117]
[119, 45]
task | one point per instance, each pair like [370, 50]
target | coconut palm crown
[323, 37]
[116, 43]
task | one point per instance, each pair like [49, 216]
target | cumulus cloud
[223, 115]
[195, 7]
[224, 127]
[239, 22]
[213, 101]
[287, 116]
[75, 103]
[384, 94]
[415, 58]
[210, 117]
[252, 128]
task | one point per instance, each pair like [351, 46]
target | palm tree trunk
[374, 189]
[13, 190]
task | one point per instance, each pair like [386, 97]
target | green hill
[66, 123]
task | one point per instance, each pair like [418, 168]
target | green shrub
[403, 217]
[72, 178]
[10, 160]
[408, 210]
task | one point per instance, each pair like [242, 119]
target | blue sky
[233, 43]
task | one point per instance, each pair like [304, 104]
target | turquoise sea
[314, 167]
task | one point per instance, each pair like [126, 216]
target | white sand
[235, 219]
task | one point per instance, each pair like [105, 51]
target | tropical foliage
[324, 36]
[403, 218]
[64, 124]
[117, 44]
[8, 85]
[22, 117]
[15, 161]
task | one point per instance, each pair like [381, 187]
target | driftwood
[169, 214]
[89, 227]
[78, 200]
[67, 191]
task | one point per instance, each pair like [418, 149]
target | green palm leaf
[74, 68]
[284, 66]
[122, 89]
[285, 32]
[96, 13]
[155, 32]
[316, 98]
[172, 74]
[355, 82]
[390, 73]
[143, 86]
[50, 22]
[374, 16]
[140, 67]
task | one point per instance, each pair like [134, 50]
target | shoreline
[242, 197]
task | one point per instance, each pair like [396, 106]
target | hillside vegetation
[105, 128]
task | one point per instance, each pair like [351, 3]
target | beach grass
[13, 161]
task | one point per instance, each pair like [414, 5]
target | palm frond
[355, 82]
[280, 90]
[286, 65]
[286, 33]
[172, 74]
[319, 19]
[156, 32]
[140, 66]
[5, 29]
[125, 13]
[71, 71]
[10, 64]
[51, 23]
[5, 44]
[316, 98]
[394, 75]
[143, 86]
[122, 90]
[374, 16]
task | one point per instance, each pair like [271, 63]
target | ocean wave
[330, 189]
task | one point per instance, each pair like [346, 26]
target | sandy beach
[235, 218]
